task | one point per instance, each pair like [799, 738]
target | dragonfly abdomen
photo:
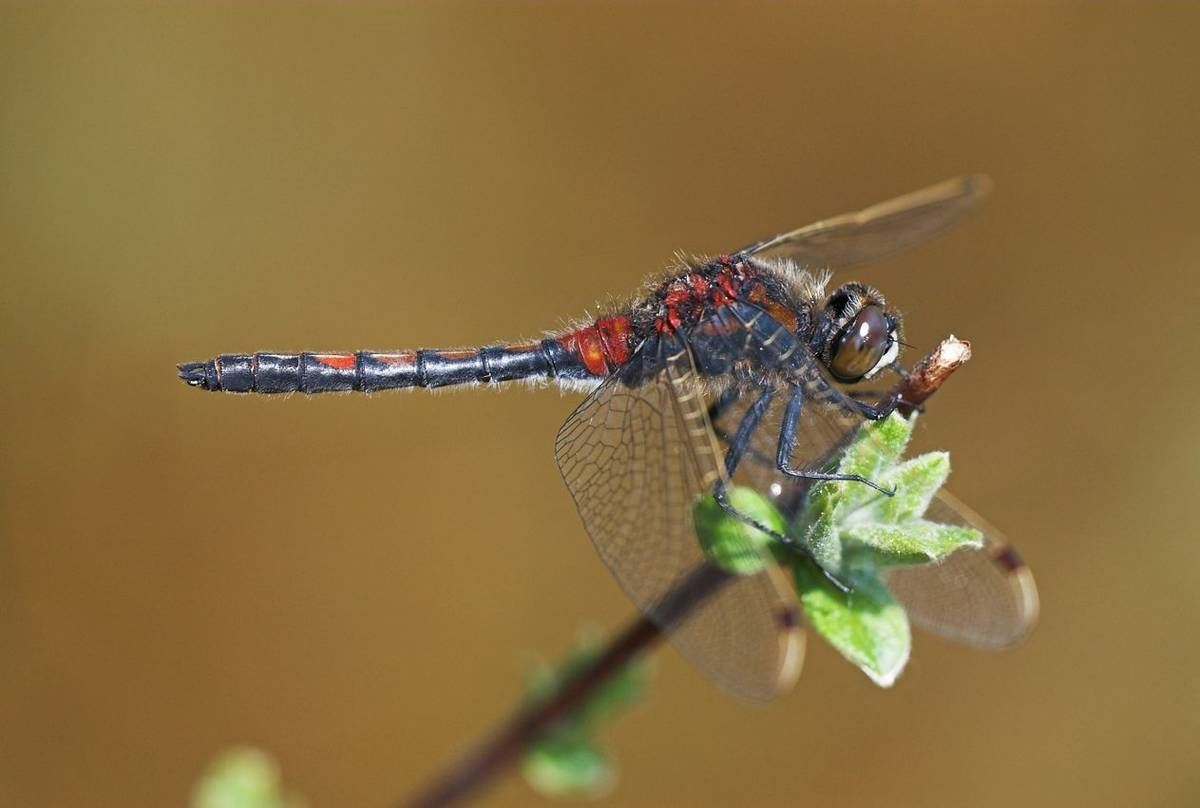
[367, 371]
[585, 355]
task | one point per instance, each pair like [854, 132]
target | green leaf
[730, 543]
[568, 759]
[823, 539]
[619, 692]
[912, 542]
[873, 451]
[242, 777]
[570, 767]
[915, 482]
[866, 625]
[878, 445]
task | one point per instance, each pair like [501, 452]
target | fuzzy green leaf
[915, 482]
[866, 625]
[730, 543]
[873, 452]
[568, 767]
[823, 539]
[877, 446]
[912, 542]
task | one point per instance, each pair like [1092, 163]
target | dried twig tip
[929, 374]
[953, 351]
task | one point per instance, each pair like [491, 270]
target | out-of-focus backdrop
[359, 584]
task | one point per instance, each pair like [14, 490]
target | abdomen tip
[193, 375]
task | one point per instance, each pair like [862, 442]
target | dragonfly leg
[733, 457]
[787, 442]
[715, 410]
[874, 412]
[879, 399]
[741, 439]
[852, 401]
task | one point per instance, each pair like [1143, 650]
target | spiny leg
[882, 402]
[733, 457]
[881, 409]
[741, 439]
[878, 401]
[787, 443]
[716, 410]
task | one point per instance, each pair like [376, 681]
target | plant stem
[513, 737]
[528, 724]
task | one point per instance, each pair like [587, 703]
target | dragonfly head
[856, 335]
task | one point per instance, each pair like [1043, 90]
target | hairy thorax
[680, 300]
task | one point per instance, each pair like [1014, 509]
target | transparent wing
[984, 596]
[741, 333]
[635, 455]
[880, 230]
[824, 430]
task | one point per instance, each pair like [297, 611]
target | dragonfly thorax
[682, 300]
[850, 331]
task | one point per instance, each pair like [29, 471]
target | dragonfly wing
[980, 596]
[983, 596]
[828, 420]
[880, 230]
[635, 455]
[820, 435]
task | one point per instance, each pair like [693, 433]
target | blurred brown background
[359, 584]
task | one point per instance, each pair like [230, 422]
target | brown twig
[526, 726]
[927, 375]
[513, 737]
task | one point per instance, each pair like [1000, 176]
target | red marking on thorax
[781, 313]
[685, 298]
[728, 283]
[336, 360]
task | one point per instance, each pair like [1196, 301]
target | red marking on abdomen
[589, 347]
[467, 354]
[336, 360]
[616, 337]
[406, 359]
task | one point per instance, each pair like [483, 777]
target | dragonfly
[747, 369]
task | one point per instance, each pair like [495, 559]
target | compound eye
[858, 350]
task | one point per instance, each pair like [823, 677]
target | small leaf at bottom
[866, 625]
[568, 767]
